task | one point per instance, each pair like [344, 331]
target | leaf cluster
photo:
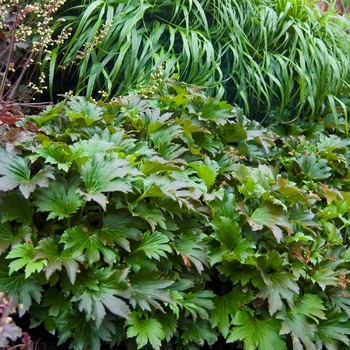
[164, 220]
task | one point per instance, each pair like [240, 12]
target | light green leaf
[146, 330]
[255, 333]
[56, 153]
[47, 249]
[89, 148]
[58, 200]
[271, 216]
[15, 171]
[24, 255]
[206, 170]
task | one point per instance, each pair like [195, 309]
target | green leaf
[20, 288]
[193, 250]
[57, 301]
[14, 206]
[169, 324]
[25, 255]
[226, 207]
[228, 232]
[198, 304]
[256, 333]
[47, 249]
[93, 303]
[84, 333]
[150, 214]
[154, 245]
[226, 306]
[277, 286]
[206, 170]
[167, 187]
[79, 107]
[119, 227]
[198, 331]
[6, 237]
[15, 171]
[83, 241]
[89, 148]
[147, 288]
[299, 329]
[61, 203]
[313, 169]
[146, 330]
[56, 153]
[324, 277]
[335, 329]
[271, 216]
[155, 164]
[106, 174]
[339, 298]
[310, 305]
[218, 112]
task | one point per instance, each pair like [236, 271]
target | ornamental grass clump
[281, 59]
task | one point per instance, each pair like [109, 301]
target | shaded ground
[45, 341]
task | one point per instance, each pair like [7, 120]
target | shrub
[166, 219]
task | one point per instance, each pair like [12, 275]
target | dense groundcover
[165, 220]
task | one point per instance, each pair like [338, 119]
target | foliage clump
[164, 220]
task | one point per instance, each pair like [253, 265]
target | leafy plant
[165, 219]
[278, 59]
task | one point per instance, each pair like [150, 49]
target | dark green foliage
[165, 220]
